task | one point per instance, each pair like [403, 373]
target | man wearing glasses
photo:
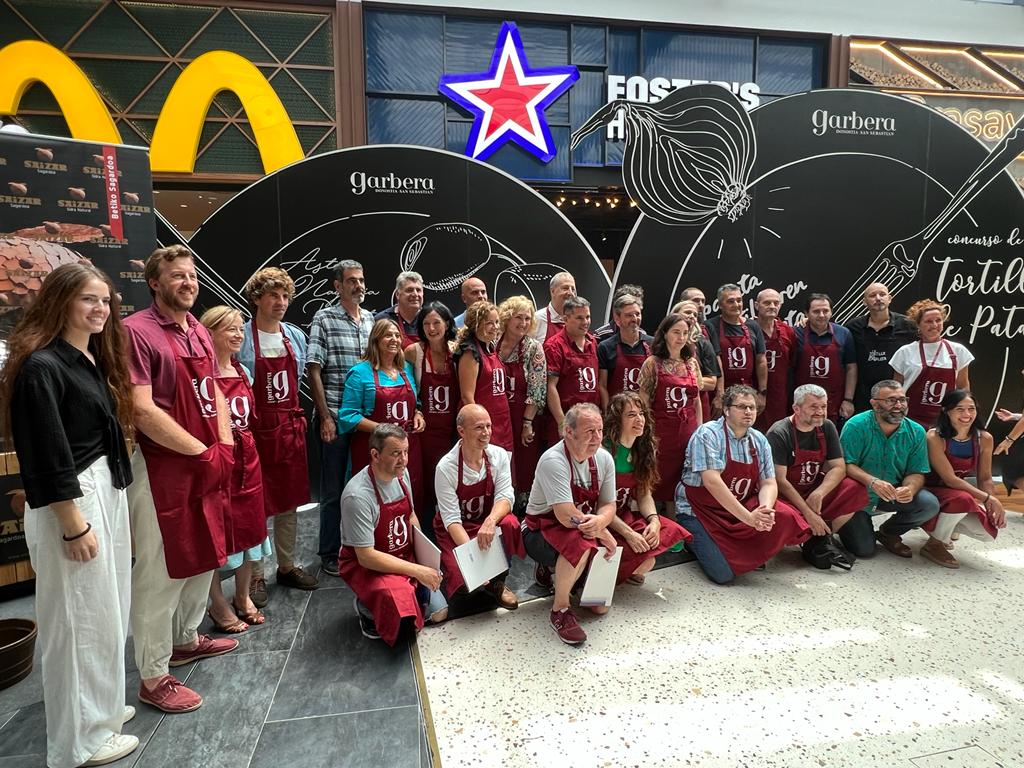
[887, 453]
[728, 497]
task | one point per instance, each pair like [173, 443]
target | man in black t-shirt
[876, 337]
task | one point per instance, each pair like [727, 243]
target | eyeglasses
[891, 401]
[744, 407]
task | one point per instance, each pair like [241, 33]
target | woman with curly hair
[932, 366]
[526, 374]
[642, 532]
[670, 381]
[481, 373]
[66, 396]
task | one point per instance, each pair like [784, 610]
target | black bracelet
[651, 517]
[88, 527]
[527, 421]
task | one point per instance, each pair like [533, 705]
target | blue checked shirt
[337, 341]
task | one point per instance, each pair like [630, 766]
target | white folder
[426, 551]
[599, 587]
[479, 565]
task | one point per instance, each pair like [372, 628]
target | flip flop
[236, 627]
[254, 618]
[636, 578]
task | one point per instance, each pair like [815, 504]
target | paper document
[479, 565]
[426, 551]
[600, 585]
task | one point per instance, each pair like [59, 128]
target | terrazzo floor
[898, 663]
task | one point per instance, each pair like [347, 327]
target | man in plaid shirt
[337, 340]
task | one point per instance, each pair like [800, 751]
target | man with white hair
[409, 293]
[550, 320]
[811, 473]
[572, 502]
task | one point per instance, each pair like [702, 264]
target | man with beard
[337, 339]
[179, 500]
[610, 327]
[876, 337]
[409, 291]
[778, 342]
[696, 295]
[620, 356]
[811, 474]
[572, 366]
[275, 353]
[473, 290]
[739, 345]
[378, 559]
[887, 453]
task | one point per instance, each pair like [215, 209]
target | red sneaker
[170, 696]
[567, 628]
[206, 648]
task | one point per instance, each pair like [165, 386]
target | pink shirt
[151, 360]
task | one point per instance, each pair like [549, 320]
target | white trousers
[946, 524]
[82, 612]
[165, 611]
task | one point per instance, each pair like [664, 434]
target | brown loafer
[506, 597]
[936, 551]
[894, 544]
[297, 578]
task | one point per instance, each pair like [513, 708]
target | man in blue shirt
[887, 453]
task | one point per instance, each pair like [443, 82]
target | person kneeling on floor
[473, 483]
[377, 558]
[811, 474]
[728, 498]
[886, 453]
[572, 502]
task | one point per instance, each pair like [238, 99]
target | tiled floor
[898, 663]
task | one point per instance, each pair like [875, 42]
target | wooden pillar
[350, 73]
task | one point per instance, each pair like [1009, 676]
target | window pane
[405, 121]
[695, 56]
[403, 52]
[789, 66]
[588, 44]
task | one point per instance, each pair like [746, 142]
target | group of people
[174, 439]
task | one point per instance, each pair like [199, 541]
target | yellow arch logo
[180, 124]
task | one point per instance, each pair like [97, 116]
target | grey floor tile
[23, 761]
[237, 690]
[284, 611]
[386, 738]
[333, 669]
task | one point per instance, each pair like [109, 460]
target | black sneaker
[329, 565]
[542, 575]
[366, 624]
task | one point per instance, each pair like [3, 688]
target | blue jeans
[703, 547]
[858, 534]
[333, 468]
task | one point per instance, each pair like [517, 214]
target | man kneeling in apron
[571, 505]
[473, 483]
[377, 557]
[811, 473]
[728, 496]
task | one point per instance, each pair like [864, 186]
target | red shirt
[151, 361]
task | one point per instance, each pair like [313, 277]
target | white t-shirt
[446, 480]
[271, 344]
[907, 359]
[540, 333]
[551, 481]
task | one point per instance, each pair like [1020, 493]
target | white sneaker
[114, 748]
[129, 713]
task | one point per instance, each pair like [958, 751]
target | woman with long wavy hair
[66, 397]
[642, 532]
[481, 372]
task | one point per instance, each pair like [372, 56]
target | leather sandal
[235, 627]
[254, 618]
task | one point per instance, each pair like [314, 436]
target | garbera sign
[643, 90]
[392, 184]
[823, 121]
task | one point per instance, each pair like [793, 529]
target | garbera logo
[392, 184]
[824, 121]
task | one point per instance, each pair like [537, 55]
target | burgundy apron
[737, 356]
[475, 503]
[822, 364]
[705, 397]
[809, 469]
[524, 457]
[778, 348]
[743, 547]
[390, 597]
[248, 519]
[437, 396]
[671, 532]
[577, 379]
[625, 376]
[674, 410]
[280, 429]
[931, 385]
[392, 405]
[569, 542]
[551, 328]
[953, 501]
[491, 394]
[191, 494]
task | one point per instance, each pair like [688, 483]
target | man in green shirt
[887, 453]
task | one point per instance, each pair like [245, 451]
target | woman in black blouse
[66, 395]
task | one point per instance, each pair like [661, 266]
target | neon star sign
[508, 101]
